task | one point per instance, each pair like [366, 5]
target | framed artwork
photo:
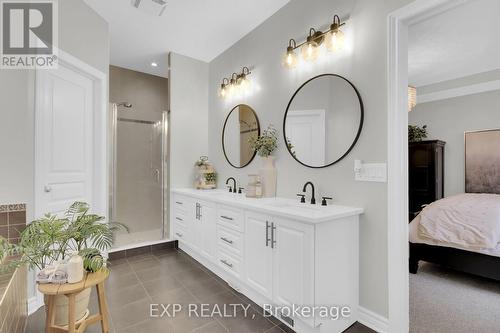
[482, 161]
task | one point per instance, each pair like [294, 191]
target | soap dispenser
[75, 268]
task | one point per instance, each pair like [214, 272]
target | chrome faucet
[233, 189]
[313, 199]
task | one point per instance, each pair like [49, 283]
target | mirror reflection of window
[323, 121]
[241, 124]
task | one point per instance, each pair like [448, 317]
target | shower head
[124, 104]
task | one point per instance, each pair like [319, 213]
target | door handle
[273, 240]
[47, 188]
[267, 233]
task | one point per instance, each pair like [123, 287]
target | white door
[208, 231]
[258, 253]
[64, 153]
[306, 132]
[293, 263]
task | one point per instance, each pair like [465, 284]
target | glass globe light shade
[310, 51]
[335, 40]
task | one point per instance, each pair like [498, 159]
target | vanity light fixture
[309, 49]
[238, 83]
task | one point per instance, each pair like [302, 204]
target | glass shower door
[137, 178]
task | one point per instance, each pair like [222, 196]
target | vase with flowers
[265, 144]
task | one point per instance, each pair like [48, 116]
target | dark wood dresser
[426, 174]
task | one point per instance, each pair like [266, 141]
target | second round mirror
[241, 124]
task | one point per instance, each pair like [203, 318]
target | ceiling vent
[152, 7]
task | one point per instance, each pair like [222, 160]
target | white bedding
[469, 222]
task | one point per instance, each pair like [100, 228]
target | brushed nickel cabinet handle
[267, 233]
[273, 240]
[226, 263]
[179, 203]
[178, 234]
[227, 240]
[226, 218]
[179, 219]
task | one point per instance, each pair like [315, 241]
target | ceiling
[201, 29]
[460, 42]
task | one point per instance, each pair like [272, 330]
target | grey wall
[365, 66]
[83, 34]
[188, 117]
[448, 119]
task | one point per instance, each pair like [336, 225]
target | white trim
[373, 320]
[397, 149]
[460, 91]
[34, 303]
[141, 244]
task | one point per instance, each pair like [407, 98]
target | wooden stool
[70, 290]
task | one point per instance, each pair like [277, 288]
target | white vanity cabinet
[194, 224]
[277, 252]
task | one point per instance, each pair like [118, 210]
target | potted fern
[51, 240]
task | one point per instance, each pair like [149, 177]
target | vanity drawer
[180, 232]
[180, 203]
[230, 240]
[180, 217]
[230, 218]
[228, 262]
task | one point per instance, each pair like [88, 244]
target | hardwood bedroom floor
[170, 276]
[445, 301]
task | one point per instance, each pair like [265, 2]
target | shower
[138, 187]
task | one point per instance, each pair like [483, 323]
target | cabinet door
[208, 231]
[293, 263]
[258, 253]
[195, 231]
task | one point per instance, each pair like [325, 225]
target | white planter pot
[82, 300]
[268, 177]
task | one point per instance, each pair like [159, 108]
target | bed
[462, 232]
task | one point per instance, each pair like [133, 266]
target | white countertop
[282, 207]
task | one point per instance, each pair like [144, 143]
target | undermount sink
[293, 205]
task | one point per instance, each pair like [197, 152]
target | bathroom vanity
[276, 251]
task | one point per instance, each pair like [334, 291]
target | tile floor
[167, 277]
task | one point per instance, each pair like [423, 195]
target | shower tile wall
[139, 158]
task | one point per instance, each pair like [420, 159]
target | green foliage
[416, 133]
[51, 238]
[266, 143]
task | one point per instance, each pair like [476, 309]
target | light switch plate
[372, 172]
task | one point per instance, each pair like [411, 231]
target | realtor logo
[29, 34]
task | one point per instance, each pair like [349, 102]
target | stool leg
[103, 307]
[71, 314]
[49, 321]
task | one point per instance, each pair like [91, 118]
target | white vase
[268, 177]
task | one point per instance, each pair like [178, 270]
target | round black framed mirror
[241, 123]
[323, 121]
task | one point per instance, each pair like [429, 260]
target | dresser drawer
[228, 262]
[230, 240]
[230, 218]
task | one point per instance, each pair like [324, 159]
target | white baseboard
[373, 320]
[34, 303]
